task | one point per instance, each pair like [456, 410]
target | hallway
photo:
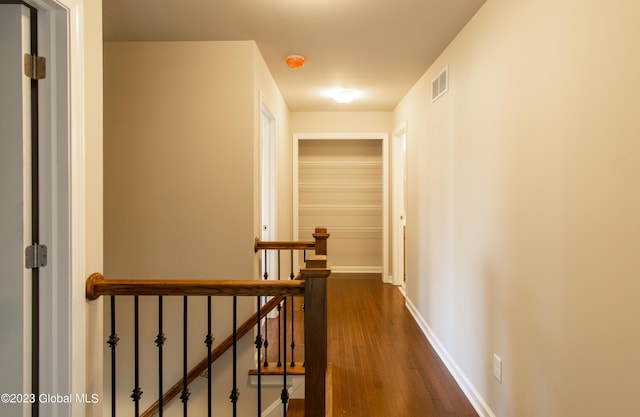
[382, 364]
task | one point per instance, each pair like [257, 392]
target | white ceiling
[377, 47]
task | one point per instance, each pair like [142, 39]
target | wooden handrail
[98, 286]
[289, 245]
[319, 244]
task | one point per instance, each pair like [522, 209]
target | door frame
[268, 188]
[268, 171]
[62, 202]
[398, 216]
[384, 138]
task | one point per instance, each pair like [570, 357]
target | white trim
[397, 206]
[296, 391]
[356, 269]
[77, 183]
[63, 302]
[270, 171]
[478, 403]
[384, 137]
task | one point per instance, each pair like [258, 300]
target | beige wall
[341, 122]
[179, 151]
[183, 146]
[523, 216]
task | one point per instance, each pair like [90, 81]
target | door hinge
[35, 67]
[35, 256]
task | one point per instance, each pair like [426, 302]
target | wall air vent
[440, 84]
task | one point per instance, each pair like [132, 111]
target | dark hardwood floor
[382, 364]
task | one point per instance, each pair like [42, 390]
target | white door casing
[398, 206]
[62, 200]
[62, 203]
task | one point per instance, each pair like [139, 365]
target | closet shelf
[340, 186]
[341, 164]
[341, 206]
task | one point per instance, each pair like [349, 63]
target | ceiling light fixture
[295, 61]
[343, 96]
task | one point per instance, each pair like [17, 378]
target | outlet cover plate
[497, 367]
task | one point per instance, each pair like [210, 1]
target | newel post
[321, 236]
[315, 272]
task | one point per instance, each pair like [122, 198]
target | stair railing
[311, 283]
[272, 270]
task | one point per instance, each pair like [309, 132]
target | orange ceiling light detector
[295, 61]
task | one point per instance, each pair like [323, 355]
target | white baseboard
[403, 291]
[478, 403]
[274, 409]
[356, 269]
[296, 390]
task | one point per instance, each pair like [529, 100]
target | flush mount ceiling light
[295, 61]
[343, 96]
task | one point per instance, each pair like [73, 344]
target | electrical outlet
[497, 367]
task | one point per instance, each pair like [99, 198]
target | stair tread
[273, 369]
[296, 408]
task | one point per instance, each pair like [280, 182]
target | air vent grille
[440, 84]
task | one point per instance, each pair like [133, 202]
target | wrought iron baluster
[278, 264]
[293, 310]
[304, 360]
[185, 390]
[137, 392]
[160, 339]
[208, 341]
[113, 342]
[293, 343]
[234, 391]
[266, 327]
[279, 322]
[292, 276]
[258, 344]
[285, 393]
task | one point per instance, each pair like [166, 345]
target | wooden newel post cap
[321, 236]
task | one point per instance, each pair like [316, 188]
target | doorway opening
[340, 181]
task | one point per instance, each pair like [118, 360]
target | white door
[15, 208]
